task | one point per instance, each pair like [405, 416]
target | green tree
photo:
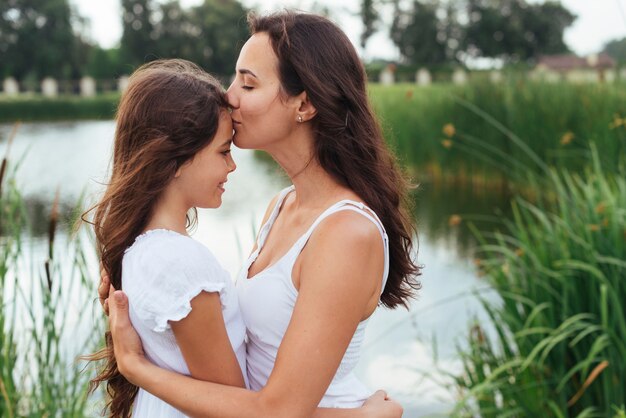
[418, 34]
[370, 19]
[617, 50]
[104, 64]
[514, 30]
[219, 31]
[37, 40]
[208, 34]
[138, 44]
[175, 32]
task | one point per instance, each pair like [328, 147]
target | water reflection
[445, 210]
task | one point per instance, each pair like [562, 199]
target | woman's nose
[231, 97]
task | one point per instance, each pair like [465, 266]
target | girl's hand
[379, 405]
[126, 342]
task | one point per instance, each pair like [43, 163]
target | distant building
[569, 67]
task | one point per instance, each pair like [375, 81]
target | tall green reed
[558, 346]
[46, 294]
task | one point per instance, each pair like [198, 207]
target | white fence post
[387, 77]
[423, 77]
[122, 83]
[459, 76]
[10, 87]
[49, 87]
[87, 87]
[495, 76]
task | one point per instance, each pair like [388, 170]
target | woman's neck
[315, 187]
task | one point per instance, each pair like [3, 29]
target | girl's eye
[247, 87]
[226, 152]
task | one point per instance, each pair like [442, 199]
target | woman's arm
[129, 350]
[204, 342]
[338, 279]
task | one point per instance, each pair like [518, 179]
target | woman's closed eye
[226, 152]
[247, 87]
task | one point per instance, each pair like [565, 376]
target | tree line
[45, 38]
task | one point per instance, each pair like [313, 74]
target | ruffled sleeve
[184, 268]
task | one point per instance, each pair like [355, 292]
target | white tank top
[267, 301]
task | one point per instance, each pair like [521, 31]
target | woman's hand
[126, 342]
[379, 405]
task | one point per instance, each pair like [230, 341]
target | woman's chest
[266, 302]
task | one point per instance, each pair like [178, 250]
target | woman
[324, 259]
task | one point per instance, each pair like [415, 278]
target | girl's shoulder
[163, 271]
[166, 251]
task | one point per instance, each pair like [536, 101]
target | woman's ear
[306, 110]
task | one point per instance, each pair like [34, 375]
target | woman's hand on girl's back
[126, 342]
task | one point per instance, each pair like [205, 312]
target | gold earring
[300, 118]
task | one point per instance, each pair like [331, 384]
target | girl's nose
[231, 164]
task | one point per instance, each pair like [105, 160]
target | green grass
[38, 108]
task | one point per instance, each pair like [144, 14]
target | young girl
[172, 154]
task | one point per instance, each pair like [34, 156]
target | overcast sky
[598, 21]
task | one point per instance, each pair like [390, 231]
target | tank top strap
[265, 228]
[357, 207]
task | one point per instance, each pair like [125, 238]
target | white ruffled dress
[161, 273]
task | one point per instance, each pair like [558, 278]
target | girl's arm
[204, 342]
[334, 296]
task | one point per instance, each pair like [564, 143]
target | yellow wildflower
[448, 130]
[600, 208]
[567, 138]
[519, 252]
[446, 143]
[454, 220]
[594, 227]
[617, 122]
[506, 269]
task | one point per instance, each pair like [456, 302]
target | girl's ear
[177, 174]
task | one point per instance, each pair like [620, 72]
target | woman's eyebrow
[246, 71]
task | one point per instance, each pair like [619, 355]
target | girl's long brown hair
[168, 113]
[315, 56]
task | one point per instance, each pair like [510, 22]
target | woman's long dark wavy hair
[169, 111]
[315, 56]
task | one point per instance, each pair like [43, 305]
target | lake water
[398, 354]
